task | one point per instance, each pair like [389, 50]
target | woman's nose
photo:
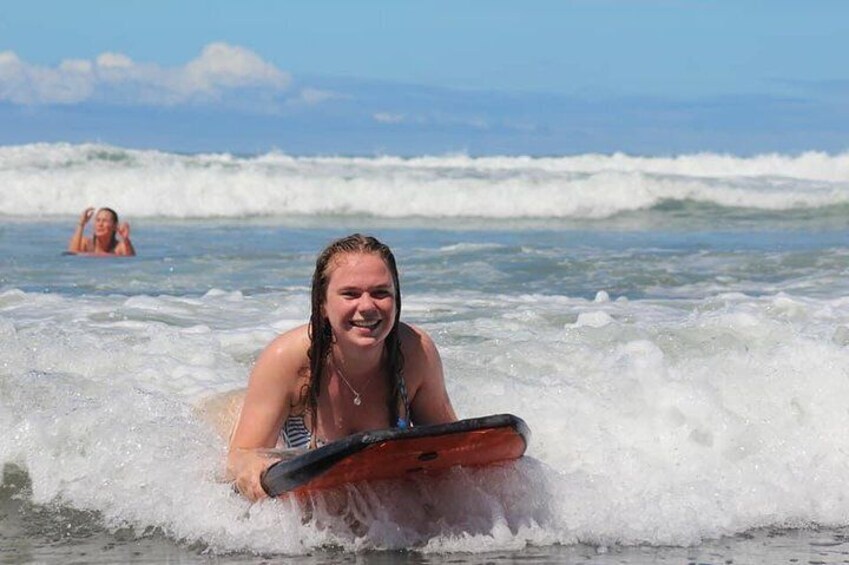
[367, 302]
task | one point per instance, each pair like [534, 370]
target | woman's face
[104, 224]
[360, 301]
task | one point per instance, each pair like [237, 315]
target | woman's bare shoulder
[414, 336]
[287, 353]
[417, 345]
[298, 335]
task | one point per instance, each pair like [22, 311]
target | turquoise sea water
[682, 358]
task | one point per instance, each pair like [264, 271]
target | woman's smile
[366, 324]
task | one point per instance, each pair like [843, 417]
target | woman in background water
[354, 367]
[104, 241]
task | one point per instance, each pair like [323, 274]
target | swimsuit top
[295, 433]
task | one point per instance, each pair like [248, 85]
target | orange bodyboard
[398, 453]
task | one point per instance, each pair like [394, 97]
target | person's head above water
[356, 299]
[106, 227]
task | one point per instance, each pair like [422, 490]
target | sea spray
[662, 421]
[60, 179]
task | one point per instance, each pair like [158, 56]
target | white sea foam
[60, 179]
[671, 421]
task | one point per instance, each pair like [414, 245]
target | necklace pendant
[357, 400]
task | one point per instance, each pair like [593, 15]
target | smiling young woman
[354, 367]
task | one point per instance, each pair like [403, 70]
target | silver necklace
[357, 399]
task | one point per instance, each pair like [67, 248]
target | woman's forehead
[357, 265]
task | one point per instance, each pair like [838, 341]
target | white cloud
[26, 84]
[79, 66]
[312, 96]
[9, 58]
[114, 61]
[432, 118]
[223, 65]
[114, 77]
[388, 118]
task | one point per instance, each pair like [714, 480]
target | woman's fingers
[251, 490]
[249, 466]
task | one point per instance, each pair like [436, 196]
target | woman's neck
[357, 363]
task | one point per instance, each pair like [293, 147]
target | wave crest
[61, 179]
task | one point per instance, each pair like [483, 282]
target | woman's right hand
[86, 215]
[245, 467]
[273, 388]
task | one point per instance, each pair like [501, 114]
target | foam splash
[670, 427]
[654, 421]
[53, 179]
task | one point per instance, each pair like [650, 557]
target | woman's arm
[429, 400]
[273, 388]
[78, 243]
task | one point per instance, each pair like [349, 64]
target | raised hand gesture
[86, 215]
[124, 231]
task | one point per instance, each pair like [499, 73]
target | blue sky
[480, 77]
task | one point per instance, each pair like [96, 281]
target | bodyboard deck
[396, 453]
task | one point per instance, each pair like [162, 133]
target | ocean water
[675, 332]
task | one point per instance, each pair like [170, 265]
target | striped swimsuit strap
[295, 432]
[403, 421]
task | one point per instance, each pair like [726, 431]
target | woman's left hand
[124, 231]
